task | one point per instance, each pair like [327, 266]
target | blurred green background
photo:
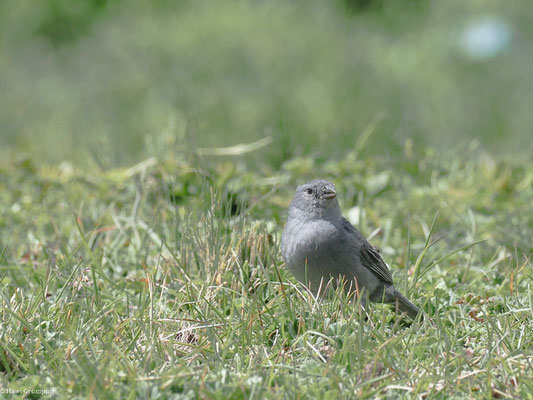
[112, 82]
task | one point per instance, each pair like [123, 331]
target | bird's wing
[369, 256]
[371, 259]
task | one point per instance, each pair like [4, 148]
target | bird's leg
[359, 297]
[362, 304]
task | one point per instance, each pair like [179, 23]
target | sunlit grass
[308, 74]
[166, 278]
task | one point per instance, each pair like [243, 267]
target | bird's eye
[309, 191]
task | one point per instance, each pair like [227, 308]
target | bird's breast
[308, 242]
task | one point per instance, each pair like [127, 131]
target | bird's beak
[329, 193]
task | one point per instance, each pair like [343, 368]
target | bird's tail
[405, 305]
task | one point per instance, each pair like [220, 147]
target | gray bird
[318, 244]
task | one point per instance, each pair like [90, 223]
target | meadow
[149, 154]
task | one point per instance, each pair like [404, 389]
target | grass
[308, 73]
[165, 280]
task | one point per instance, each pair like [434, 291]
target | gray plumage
[318, 244]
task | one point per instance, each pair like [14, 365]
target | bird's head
[317, 200]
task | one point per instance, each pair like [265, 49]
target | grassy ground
[310, 73]
[123, 278]
[165, 280]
